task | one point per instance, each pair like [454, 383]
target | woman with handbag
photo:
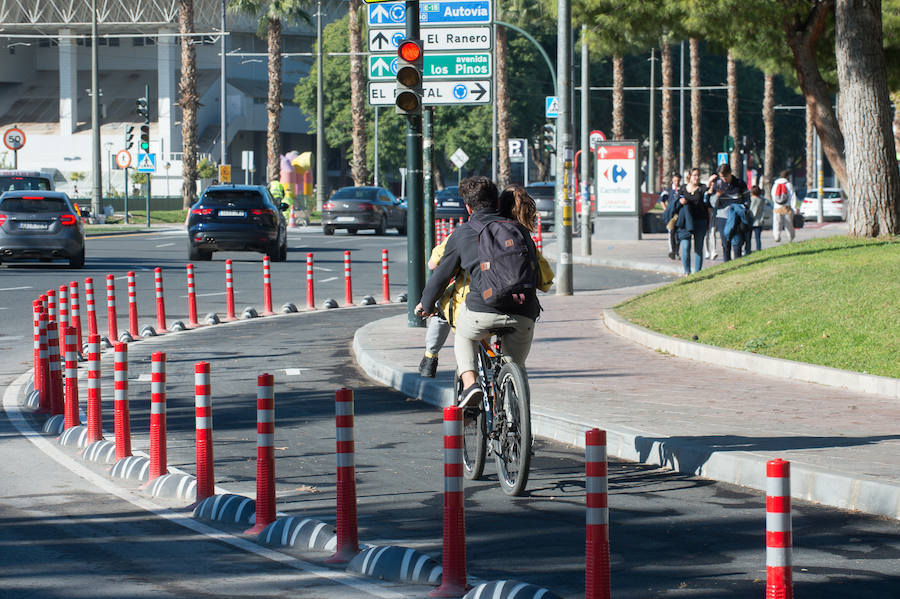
[693, 211]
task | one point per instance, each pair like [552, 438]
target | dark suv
[237, 217]
[40, 225]
[544, 195]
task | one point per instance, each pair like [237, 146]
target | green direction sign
[466, 65]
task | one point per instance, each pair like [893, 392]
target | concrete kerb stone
[305, 533]
[227, 507]
[75, 436]
[861, 493]
[396, 564]
[134, 467]
[174, 486]
[509, 589]
[776, 367]
[100, 452]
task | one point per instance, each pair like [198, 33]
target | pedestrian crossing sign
[146, 163]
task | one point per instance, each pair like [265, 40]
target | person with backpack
[737, 228]
[785, 206]
[757, 213]
[501, 260]
[724, 190]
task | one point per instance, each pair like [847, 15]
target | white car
[834, 204]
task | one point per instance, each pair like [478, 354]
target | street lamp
[108, 145]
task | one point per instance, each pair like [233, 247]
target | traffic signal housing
[145, 139]
[129, 136]
[408, 95]
[550, 138]
[142, 106]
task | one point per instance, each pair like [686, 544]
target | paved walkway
[702, 419]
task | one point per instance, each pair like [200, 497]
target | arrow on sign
[479, 90]
[603, 152]
[380, 66]
[380, 14]
[380, 40]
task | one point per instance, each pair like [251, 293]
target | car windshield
[23, 183]
[236, 198]
[35, 204]
[448, 192]
[828, 194]
[354, 193]
[541, 191]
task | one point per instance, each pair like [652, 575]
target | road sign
[721, 158]
[517, 149]
[435, 93]
[435, 39]
[146, 163]
[469, 65]
[442, 12]
[551, 107]
[459, 158]
[14, 139]
[123, 158]
[617, 178]
[247, 159]
[596, 137]
[224, 173]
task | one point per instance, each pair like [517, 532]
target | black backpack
[507, 261]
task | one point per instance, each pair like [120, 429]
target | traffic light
[408, 96]
[550, 138]
[129, 136]
[145, 139]
[143, 108]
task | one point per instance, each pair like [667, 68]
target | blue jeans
[699, 234]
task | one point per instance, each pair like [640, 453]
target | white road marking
[164, 245]
[144, 377]
[15, 288]
[210, 294]
[329, 279]
[323, 268]
[5, 338]
[293, 371]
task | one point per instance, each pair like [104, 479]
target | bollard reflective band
[158, 452]
[203, 417]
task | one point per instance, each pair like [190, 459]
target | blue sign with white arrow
[442, 12]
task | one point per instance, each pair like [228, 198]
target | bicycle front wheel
[513, 426]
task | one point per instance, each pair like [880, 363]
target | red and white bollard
[160, 301]
[71, 402]
[75, 313]
[111, 318]
[63, 311]
[55, 382]
[44, 360]
[779, 576]
[540, 234]
[596, 573]
[94, 413]
[122, 416]
[265, 453]
[36, 319]
[132, 306]
[347, 532]
[158, 458]
[51, 305]
[348, 281]
[192, 296]
[310, 290]
[267, 287]
[292, 219]
[91, 306]
[206, 480]
[43, 299]
[229, 291]
[385, 278]
[453, 578]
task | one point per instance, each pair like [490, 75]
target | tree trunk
[810, 146]
[668, 158]
[273, 105]
[771, 169]
[873, 183]
[359, 168]
[733, 115]
[538, 159]
[503, 168]
[188, 102]
[802, 39]
[618, 96]
[895, 98]
[696, 105]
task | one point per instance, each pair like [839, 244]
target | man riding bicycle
[480, 315]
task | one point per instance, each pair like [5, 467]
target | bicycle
[502, 423]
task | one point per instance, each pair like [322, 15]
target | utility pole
[223, 124]
[96, 160]
[320, 113]
[564, 148]
[651, 151]
[428, 179]
[586, 156]
[681, 115]
[415, 243]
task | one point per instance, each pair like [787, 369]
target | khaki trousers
[471, 327]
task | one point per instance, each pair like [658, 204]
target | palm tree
[358, 168]
[272, 15]
[668, 158]
[733, 113]
[618, 115]
[501, 52]
[188, 101]
[696, 108]
[769, 124]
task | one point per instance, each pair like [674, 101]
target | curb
[737, 467]
[740, 360]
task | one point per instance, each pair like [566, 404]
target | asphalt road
[671, 535]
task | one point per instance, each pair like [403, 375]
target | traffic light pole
[97, 180]
[564, 149]
[427, 179]
[414, 199]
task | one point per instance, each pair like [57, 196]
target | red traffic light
[409, 51]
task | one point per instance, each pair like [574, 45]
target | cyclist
[514, 314]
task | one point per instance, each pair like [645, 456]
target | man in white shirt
[785, 206]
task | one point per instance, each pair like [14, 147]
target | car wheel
[328, 229]
[77, 261]
[401, 230]
[198, 255]
[282, 254]
[351, 231]
[381, 229]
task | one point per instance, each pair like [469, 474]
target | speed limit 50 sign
[14, 139]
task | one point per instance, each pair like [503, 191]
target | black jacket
[462, 252]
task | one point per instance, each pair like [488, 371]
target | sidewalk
[698, 418]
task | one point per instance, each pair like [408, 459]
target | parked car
[544, 195]
[355, 208]
[448, 204]
[834, 204]
[40, 225]
[237, 217]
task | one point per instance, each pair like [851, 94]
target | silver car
[40, 225]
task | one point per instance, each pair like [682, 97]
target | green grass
[830, 301]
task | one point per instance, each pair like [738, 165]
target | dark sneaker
[428, 367]
[471, 396]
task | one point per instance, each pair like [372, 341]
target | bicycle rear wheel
[474, 431]
[513, 426]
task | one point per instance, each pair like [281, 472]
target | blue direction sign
[442, 12]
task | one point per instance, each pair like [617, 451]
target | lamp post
[108, 145]
[320, 113]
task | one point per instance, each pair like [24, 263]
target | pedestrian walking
[785, 206]
[726, 190]
[691, 224]
[669, 198]
[757, 214]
